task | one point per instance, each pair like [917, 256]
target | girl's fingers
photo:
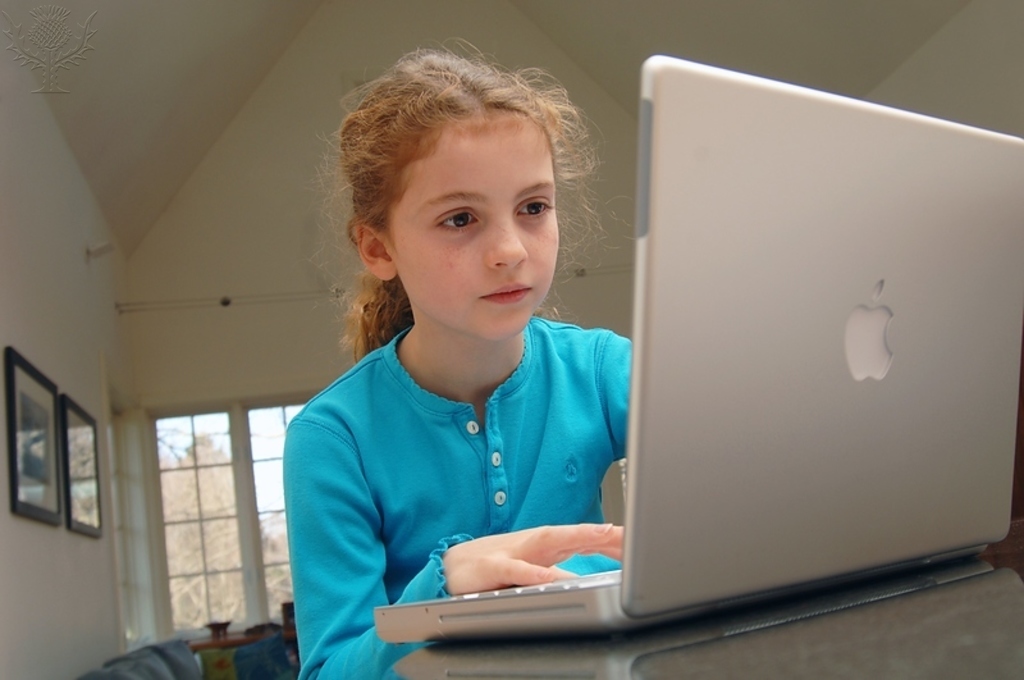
[560, 574]
[525, 558]
[522, 573]
[557, 543]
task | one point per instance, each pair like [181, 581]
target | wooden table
[236, 640]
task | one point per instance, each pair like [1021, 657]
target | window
[204, 559]
[223, 515]
[266, 437]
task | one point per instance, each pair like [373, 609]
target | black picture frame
[81, 467]
[33, 442]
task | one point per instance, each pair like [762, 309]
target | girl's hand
[525, 558]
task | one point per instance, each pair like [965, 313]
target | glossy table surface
[954, 621]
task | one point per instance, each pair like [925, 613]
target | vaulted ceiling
[171, 75]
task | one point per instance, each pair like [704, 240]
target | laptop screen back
[827, 337]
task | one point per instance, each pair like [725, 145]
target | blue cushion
[171, 660]
[264, 660]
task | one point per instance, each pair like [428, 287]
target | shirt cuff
[437, 559]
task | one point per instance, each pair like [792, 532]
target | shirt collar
[438, 404]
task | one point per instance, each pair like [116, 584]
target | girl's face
[474, 236]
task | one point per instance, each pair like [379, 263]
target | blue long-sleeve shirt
[380, 475]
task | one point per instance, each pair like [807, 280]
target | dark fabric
[264, 660]
[171, 660]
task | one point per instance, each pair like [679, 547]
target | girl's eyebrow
[538, 187]
[456, 197]
[473, 197]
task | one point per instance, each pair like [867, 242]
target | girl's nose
[506, 248]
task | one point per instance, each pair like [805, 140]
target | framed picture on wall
[81, 468]
[32, 440]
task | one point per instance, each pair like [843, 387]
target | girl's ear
[373, 251]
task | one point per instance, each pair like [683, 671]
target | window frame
[247, 514]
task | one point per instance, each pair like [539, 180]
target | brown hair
[397, 119]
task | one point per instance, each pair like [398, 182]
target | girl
[466, 448]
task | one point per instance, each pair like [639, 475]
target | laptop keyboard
[604, 578]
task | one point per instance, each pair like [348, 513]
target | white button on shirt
[472, 427]
[499, 498]
[495, 459]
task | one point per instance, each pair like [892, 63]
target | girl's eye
[459, 220]
[534, 208]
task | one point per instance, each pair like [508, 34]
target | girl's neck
[466, 371]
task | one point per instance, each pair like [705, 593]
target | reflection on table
[953, 621]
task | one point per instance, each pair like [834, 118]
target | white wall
[246, 223]
[57, 588]
[972, 71]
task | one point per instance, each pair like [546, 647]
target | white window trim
[248, 517]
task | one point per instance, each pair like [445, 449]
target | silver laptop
[827, 342]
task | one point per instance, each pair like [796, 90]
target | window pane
[188, 602]
[213, 449]
[217, 492]
[266, 429]
[184, 549]
[275, 538]
[212, 423]
[174, 442]
[180, 497]
[269, 479]
[220, 537]
[279, 588]
[227, 597]
[265, 422]
[213, 438]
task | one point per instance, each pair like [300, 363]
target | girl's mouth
[507, 296]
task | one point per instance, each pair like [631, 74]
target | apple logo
[867, 343]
